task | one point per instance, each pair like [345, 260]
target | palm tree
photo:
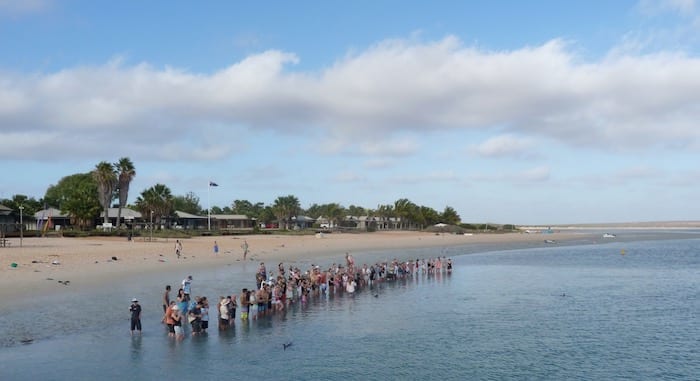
[286, 207]
[158, 200]
[127, 172]
[334, 212]
[386, 212]
[404, 210]
[450, 216]
[106, 178]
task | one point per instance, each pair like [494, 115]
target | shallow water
[575, 312]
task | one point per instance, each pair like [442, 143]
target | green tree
[314, 211]
[247, 208]
[334, 212]
[386, 212]
[106, 178]
[450, 216]
[77, 196]
[126, 174]
[158, 200]
[286, 207]
[406, 211]
[430, 216]
[30, 205]
[357, 211]
[267, 215]
[188, 203]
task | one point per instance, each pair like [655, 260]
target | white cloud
[504, 146]
[365, 101]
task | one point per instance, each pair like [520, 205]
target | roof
[127, 214]
[181, 214]
[4, 210]
[50, 212]
[239, 217]
[230, 217]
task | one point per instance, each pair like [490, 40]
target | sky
[524, 112]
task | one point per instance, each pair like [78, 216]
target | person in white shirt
[187, 287]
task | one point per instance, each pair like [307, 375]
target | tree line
[83, 196]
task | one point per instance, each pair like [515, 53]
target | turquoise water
[546, 313]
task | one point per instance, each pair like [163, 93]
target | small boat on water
[609, 235]
[549, 241]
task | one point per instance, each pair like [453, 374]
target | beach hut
[50, 219]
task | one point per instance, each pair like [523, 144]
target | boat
[549, 241]
[609, 235]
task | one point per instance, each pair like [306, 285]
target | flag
[213, 184]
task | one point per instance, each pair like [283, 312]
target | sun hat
[134, 300]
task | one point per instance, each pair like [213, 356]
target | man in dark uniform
[135, 316]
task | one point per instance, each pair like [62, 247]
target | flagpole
[208, 206]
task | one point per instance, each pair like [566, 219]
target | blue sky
[519, 112]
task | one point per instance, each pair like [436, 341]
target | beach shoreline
[87, 262]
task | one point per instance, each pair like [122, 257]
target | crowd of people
[273, 292]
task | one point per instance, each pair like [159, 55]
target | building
[128, 217]
[51, 219]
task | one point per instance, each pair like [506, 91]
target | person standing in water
[135, 310]
[166, 298]
[187, 287]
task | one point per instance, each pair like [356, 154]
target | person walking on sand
[244, 246]
[135, 310]
[216, 248]
[178, 248]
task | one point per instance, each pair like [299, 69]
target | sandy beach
[86, 262]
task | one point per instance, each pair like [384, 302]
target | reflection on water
[136, 348]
